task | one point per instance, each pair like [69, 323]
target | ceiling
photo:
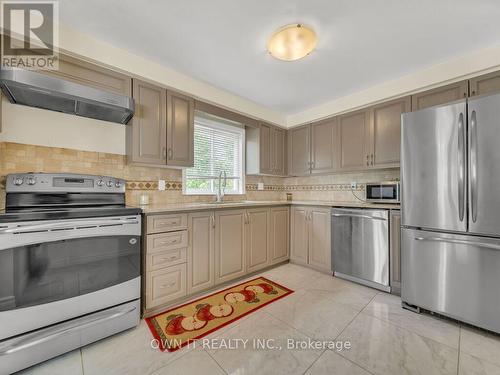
[223, 42]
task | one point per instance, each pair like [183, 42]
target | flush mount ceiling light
[292, 42]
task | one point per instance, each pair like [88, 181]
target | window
[218, 147]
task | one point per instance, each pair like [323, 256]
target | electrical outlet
[354, 185]
[260, 186]
[161, 185]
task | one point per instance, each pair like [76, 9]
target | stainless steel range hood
[43, 91]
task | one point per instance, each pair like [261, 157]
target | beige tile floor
[385, 339]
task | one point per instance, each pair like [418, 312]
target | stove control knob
[31, 180]
[109, 183]
[118, 184]
[18, 181]
[100, 182]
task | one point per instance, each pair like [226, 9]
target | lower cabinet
[257, 238]
[229, 245]
[395, 252]
[311, 238]
[279, 234]
[201, 251]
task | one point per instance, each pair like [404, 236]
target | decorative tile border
[317, 187]
[152, 185]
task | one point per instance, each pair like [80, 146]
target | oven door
[59, 269]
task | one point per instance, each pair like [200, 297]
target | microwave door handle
[67, 225]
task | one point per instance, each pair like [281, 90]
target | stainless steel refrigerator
[450, 172]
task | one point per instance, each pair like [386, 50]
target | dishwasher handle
[363, 216]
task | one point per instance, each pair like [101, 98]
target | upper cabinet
[384, 139]
[161, 132]
[299, 157]
[485, 84]
[180, 130]
[354, 132]
[147, 135]
[92, 75]
[324, 146]
[265, 150]
[440, 95]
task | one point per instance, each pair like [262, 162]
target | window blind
[217, 148]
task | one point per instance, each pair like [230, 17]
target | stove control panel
[62, 183]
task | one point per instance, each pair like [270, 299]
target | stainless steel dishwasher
[360, 246]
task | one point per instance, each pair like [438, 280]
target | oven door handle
[40, 339]
[68, 225]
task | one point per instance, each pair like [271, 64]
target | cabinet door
[229, 245]
[385, 132]
[266, 157]
[147, 137]
[440, 95]
[165, 285]
[279, 230]
[279, 145]
[84, 73]
[485, 84]
[324, 146]
[319, 238]
[201, 254]
[257, 238]
[180, 130]
[299, 151]
[354, 130]
[299, 236]
[395, 252]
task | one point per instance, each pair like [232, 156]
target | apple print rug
[183, 324]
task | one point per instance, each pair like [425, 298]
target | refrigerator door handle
[460, 242]
[473, 165]
[461, 167]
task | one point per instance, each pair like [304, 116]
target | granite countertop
[177, 207]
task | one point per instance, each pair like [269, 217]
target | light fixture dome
[292, 42]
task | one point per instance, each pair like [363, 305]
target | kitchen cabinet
[384, 140]
[299, 162]
[319, 255]
[180, 130]
[354, 134]
[229, 245]
[257, 238]
[147, 135]
[395, 251]
[440, 95]
[265, 150]
[279, 234]
[310, 237]
[324, 146]
[201, 251]
[485, 84]
[88, 74]
[165, 285]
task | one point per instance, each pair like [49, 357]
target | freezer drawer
[455, 275]
[360, 246]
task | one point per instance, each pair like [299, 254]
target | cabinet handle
[372, 159]
[212, 220]
[169, 258]
[170, 153]
[164, 152]
[171, 242]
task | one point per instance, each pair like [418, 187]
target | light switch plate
[260, 186]
[161, 185]
[354, 185]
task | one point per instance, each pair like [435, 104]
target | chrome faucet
[221, 192]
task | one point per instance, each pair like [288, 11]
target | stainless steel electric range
[69, 265]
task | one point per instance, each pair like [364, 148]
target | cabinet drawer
[165, 258]
[165, 223]
[166, 241]
[165, 285]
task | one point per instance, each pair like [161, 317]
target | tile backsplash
[21, 158]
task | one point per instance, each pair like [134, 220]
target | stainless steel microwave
[383, 192]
